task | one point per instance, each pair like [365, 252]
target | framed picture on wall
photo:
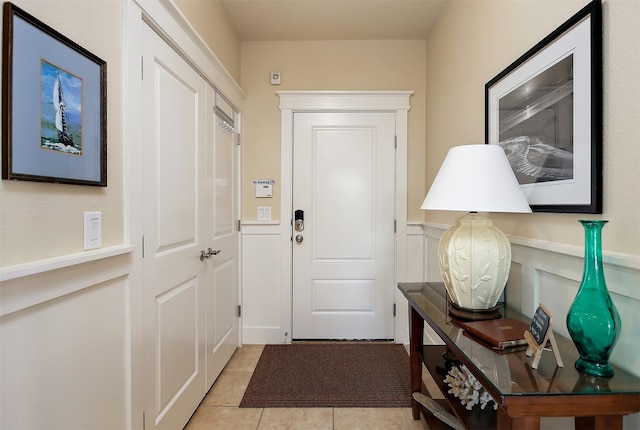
[54, 105]
[545, 111]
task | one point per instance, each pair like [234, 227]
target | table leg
[603, 422]
[416, 333]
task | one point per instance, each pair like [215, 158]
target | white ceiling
[279, 20]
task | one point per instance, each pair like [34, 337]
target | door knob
[208, 253]
[299, 238]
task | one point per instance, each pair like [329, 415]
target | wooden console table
[523, 394]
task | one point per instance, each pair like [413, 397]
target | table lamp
[475, 256]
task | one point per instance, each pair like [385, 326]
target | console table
[523, 394]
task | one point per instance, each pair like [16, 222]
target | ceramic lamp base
[474, 259]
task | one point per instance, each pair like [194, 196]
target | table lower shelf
[433, 358]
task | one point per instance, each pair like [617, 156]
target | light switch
[264, 213]
[92, 230]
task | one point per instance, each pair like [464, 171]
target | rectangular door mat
[340, 375]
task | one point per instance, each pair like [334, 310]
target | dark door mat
[350, 375]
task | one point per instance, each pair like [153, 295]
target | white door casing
[175, 279]
[343, 101]
[343, 260]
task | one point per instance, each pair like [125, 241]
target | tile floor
[219, 410]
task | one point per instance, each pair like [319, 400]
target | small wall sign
[539, 334]
[264, 187]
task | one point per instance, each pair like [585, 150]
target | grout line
[260, 419]
[333, 418]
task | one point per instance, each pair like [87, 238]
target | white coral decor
[467, 388]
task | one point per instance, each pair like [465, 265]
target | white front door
[222, 234]
[343, 258]
[175, 279]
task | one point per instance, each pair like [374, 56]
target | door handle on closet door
[209, 253]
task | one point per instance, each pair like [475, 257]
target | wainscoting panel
[413, 270]
[266, 304]
[66, 348]
[432, 235]
[556, 293]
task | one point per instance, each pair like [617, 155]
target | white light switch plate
[92, 230]
[264, 213]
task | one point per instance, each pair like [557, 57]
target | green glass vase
[593, 320]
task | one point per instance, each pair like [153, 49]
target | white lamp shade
[476, 178]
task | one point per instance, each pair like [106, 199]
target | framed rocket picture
[54, 105]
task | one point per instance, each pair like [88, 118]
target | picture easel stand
[536, 350]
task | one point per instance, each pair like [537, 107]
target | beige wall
[41, 220]
[211, 23]
[332, 65]
[474, 40]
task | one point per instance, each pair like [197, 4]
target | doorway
[347, 302]
[343, 248]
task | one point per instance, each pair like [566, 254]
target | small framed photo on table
[54, 105]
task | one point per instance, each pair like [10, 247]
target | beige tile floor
[219, 409]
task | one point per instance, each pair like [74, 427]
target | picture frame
[545, 110]
[54, 112]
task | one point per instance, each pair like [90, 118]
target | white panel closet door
[222, 233]
[343, 260]
[175, 281]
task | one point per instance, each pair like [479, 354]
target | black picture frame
[545, 110]
[54, 103]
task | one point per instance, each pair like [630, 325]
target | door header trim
[318, 101]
